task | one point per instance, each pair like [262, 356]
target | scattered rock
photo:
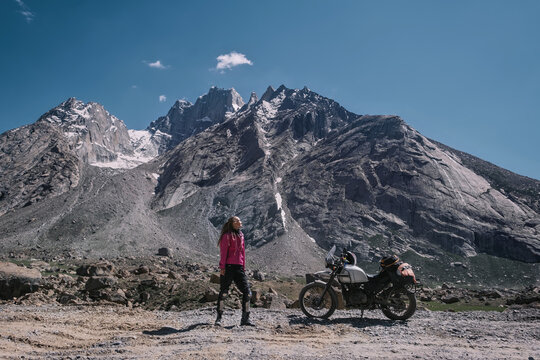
[450, 299]
[98, 269]
[524, 299]
[272, 291]
[210, 295]
[122, 273]
[144, 297]
[165, 252]
[99, 282]
[17, 280]
[143, 269]
[273, 301]
[66, 280]
[117, 296]
[295, 304]
[255, 297]
[66, 298]
[215, 278]
[258, 275]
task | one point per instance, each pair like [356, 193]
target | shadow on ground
[354, 322]
[169, 331]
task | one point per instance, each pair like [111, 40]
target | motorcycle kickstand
[362, 314]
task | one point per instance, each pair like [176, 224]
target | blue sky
[463, 72]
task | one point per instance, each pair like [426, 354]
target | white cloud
[25, 11]
[162, 98]
[228, 61]
[156, 65]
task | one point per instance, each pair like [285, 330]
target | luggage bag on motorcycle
[400, 273]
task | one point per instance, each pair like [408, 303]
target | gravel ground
[104, 332]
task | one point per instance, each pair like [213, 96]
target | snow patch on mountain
[145, 148]
[279, 206]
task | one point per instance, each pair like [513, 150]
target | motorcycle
[392, 290]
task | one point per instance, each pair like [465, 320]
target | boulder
[524, 299]
[273, 301]
[66, 280]
[492, 294]
[255, 296]
[17, 280]
[117, 296]
[210, 295]
[165, 252]
[450, 299]
[215, 278]
[99, 282]
[295, 304]
[258, 275]
[67, 298]
[143, 269]
[98, 269]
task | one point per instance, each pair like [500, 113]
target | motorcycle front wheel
[315, 306]
[400, 304]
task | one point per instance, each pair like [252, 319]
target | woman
[232, 265]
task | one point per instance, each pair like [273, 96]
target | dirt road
[102, 332]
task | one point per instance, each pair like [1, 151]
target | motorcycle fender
[330, 289]
[320, 282]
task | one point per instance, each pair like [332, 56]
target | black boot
[218, 319]
[245, 320]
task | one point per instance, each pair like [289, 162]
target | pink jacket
[232, 250]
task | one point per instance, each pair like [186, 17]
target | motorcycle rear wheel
[400, 304]
[309, 298]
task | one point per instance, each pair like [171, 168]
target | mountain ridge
[298, 168]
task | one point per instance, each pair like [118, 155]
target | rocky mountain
[92, 133]
[296, 160]
[299, 169]
[185, 119]
[36, 162]
[45, 159]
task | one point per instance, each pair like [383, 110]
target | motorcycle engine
[355, 296]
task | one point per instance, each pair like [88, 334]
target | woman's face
[236, 223]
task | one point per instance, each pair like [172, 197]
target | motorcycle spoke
[315, 304]
[399, 305]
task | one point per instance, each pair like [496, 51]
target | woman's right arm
[223, 249]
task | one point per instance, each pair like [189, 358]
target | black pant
[234, 273]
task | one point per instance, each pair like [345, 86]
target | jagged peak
[232, 98]
[71, 103]
[268, 93]
[182, 103]
[281, 88]
[252, 99]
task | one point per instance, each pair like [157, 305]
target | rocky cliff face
[185, 119]
[236, 167]
[45, 159]
[300, 170]
[36, 163]
[298, 158]
[378, 176]
[94, 134]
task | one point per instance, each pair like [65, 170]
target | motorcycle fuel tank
[352, 274]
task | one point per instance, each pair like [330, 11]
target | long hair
[227, 228]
